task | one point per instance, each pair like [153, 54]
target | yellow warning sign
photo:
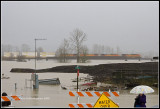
[105, 102]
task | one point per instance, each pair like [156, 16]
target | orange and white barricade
[93, 93]
[81, 105]
[11, 98]
[89, 94]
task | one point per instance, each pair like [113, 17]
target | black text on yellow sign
[105, 102]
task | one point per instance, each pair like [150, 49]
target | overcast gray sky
[133, 26]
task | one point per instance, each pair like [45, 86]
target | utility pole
[35, 56]
[77, 74]
[77, 80]
[34, 75]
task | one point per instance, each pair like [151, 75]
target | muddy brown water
[54, 95]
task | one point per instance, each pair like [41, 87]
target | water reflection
[35, 94]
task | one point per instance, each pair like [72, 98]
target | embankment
[104, 72]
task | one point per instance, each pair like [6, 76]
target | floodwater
[54, 95]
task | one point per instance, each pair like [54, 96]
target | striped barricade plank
[10, 98]
[93, 93]
[81, 105]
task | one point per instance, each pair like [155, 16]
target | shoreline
[128, 74]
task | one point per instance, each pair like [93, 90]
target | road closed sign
[105, 102]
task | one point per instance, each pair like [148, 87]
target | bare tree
[25, 48]
[108, 50]
[16, 49]
[98, 49]
[83, 53]
[9, 48]
[118, 50]
[112, 50]
[2, 50]
[63, 51]
[6, 48]
[39, 50]
[95, 49]
[102, 48]
[77, 39]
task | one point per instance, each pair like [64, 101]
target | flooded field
[54, 95]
